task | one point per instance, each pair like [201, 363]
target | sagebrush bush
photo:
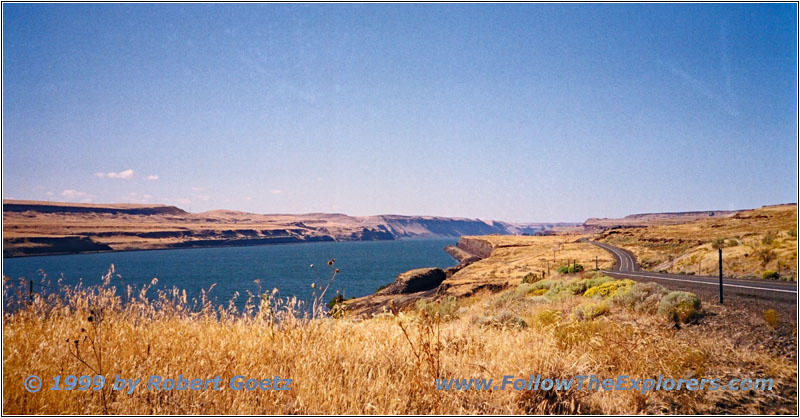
[588, 311]
[536, 289]
[610, 289]
[680, 306]
[504, 319]
[642, 297]
[571, 268]
[531, 278]
[446, 308]
[598, 279]
[566, 288]
[770, 275]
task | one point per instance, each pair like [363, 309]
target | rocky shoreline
[420, 283]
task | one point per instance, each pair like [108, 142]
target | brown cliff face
[417, 280]
[117, 227]
[475, 246]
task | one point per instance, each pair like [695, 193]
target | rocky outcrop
[475, 246]
[413, 281]
[407, 288]
[15, 247]
[461, 255]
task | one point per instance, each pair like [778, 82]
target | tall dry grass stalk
[385, 365]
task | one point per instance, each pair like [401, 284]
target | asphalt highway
[740, 290]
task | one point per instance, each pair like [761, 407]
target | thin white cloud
[73, 194]
[124, 175]
[152, 177]
[275, 191]
[134, 197]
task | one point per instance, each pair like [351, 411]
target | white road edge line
[710, 284]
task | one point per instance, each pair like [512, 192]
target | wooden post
[547, 263]
[595, 264]
[30, 292]
[720, 276]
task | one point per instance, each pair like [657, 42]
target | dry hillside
[753, 242]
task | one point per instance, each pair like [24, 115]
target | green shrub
[445, 307]
[597, 280]
[566, 288]
[680, 306]
[771, 317]
[516, 300]
[571, 268]
[610, 289]
[336, 300]
[543, 284]
[588, 311]
[732, 243]
[530, 289]
[561, 288]
[770, 275]
[642, 297]
[792, 232]
[531, 278]
[718, 243]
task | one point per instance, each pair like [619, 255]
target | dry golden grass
[515, 256]
[385, 365]
[688, 247]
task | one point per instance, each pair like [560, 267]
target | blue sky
[526, 112]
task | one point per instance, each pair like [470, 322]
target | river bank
[49, 228]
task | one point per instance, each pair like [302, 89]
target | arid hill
[37, 228]
[651, 219]
[753, 241]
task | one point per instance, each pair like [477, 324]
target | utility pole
[720, 276]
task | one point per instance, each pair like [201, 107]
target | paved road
[740, 289]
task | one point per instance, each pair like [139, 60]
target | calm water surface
[364, 266]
